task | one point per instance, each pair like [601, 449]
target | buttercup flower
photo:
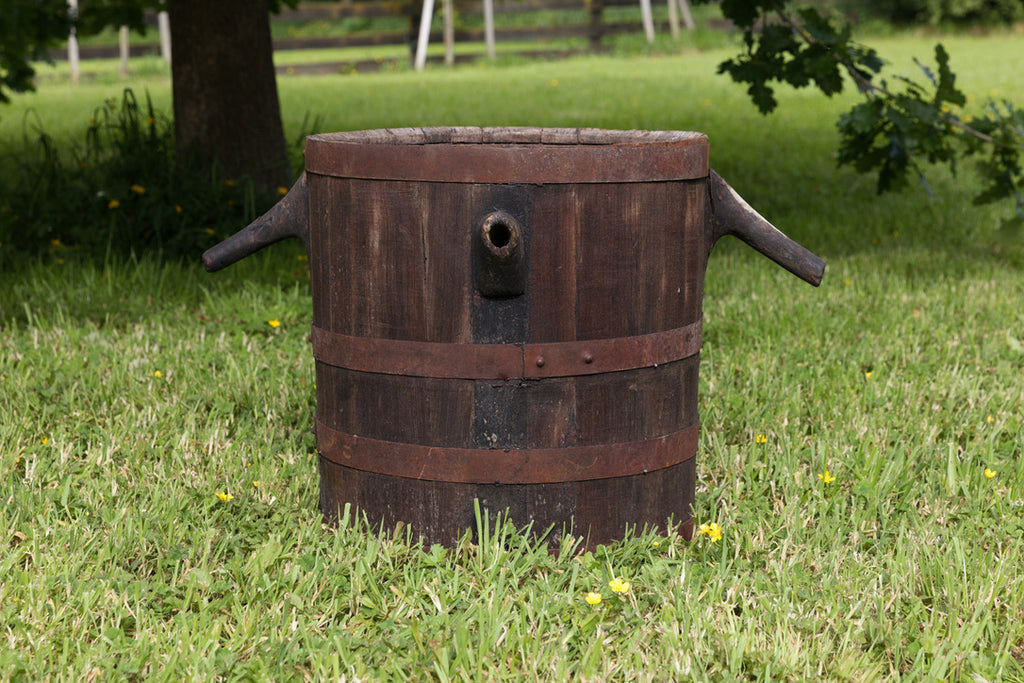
[761, 439]
[619, 586]
[224, 496]
[990, 473]
[593, 598]
[138, 189]
[712, 531]
[158, 374]
[826, 477]
[113, 204]
[274, 323]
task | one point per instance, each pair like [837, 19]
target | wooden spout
[288, 218]
[731, 215]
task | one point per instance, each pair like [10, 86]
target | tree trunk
[226, 110]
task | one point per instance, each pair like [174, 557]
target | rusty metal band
[512, 466]
[504, 361]
[534, 156]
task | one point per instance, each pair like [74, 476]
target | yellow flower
[713, 531]
[655, 543]
[827, 478]
[990, 473]
[990, 419]
[177, 208]
[282, 190]
[761, 439]
[224, 496]
[138, 189]
[229, 182]
[593, 598]
[256, 484]
[46, 440]
[113, 204]
[867, 375]
[274, 323]
[158, 374]
[554, 82]
[619, 586]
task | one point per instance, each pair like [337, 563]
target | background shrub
[942, 11]
[121, 191]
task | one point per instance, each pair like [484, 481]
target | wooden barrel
[512, 316]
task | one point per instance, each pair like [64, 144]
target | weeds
[120, 192]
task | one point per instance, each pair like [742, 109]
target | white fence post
[449, 32]
[684, 6]
[648, 17]
[673, 19]
[123, 42]
[73, 42]
[424, 37]
[489, 27]
[163, 21]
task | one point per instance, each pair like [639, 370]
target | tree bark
[226, 110]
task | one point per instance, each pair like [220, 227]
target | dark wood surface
[395, 259]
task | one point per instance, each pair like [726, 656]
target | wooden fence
[594, 26]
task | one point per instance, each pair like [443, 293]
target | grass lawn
[158, 475]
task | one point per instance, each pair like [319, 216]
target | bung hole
[499, 235]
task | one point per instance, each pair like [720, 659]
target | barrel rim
[509, 155]
[511, 135]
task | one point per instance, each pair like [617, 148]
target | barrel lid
[510, 155]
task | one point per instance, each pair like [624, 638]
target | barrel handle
[288, 218]
[731, 215]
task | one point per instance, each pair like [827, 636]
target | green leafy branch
[896, 127]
